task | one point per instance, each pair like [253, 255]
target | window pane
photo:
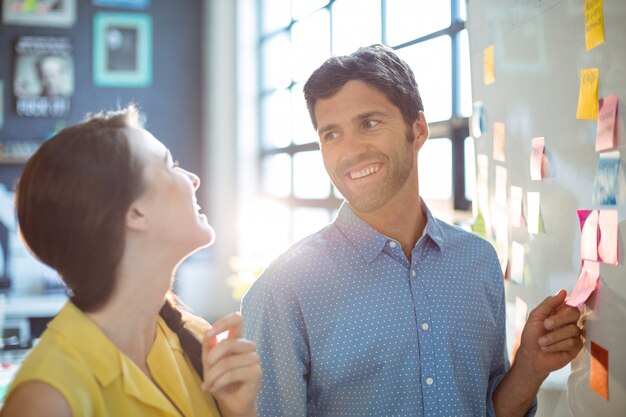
[465, 75]
[275, 53]
[276, 110]
[302, 127]
[309, 176]
[435, 169]
[307, 220]
[431, 62]
[470, 169]
[303, 8]
[410, 19]
[311, 44]
[277, 175]
[276, 14]
[356, 23]
[462, 9]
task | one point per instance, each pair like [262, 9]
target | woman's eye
[175, 164]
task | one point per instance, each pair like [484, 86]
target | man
[389, 311]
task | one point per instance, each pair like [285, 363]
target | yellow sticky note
[594, 23]
[588, 97]
[488, 69]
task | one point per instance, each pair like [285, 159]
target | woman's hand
[232, 370]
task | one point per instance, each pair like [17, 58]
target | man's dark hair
[377, 66]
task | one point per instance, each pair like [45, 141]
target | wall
[172, 103]
[539, 52]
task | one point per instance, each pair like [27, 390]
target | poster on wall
[122, 50]
[43, 80]
[122, 4]
[57, 13]
[1, 103]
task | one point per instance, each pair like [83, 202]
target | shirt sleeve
[272, 319]
[500, 363]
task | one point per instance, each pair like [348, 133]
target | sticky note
[502, 243]
[608, 237]
[585, 285]
[588, 234]
[516, 204]
[488, 65]
[501, 185]
[607, 115]
[594, 24]
[517, 262]
[534, 213]
[537, 159]
[588, 94]
[599, 370]
[605, 186]
[498, 142]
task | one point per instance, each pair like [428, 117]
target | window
[296, 36]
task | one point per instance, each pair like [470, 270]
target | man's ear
[136, 218]
[420, 131]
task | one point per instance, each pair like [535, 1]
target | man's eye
[331, 136]
[371, 123]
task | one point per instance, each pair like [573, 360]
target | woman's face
[169, 198]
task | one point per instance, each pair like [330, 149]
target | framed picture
[58, 13]
[43, 79]
[122, 50]
[122, 4]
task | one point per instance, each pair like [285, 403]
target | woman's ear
[420, 131]
[136, 218]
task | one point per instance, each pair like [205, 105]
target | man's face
[367, 146]
[52, 76]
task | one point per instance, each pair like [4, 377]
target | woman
[103, 203]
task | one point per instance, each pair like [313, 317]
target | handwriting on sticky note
[588, 94]
[488, 65]
[594, 24]
[599, 370]
[605, 185]
[607, 114]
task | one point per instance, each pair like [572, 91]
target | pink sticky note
[607, 114]
[608, 243]
[516, 204]
[588, 234]
[586, 284]
[498, 142]
[537, 159]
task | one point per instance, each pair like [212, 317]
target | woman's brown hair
[71, 203]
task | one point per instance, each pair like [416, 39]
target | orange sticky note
[488, 65]
[537, 159]
[498, 142]
[594, 23]
[588, 234]
[607, 113]
[588, 94]
[608, 240]
[599, 372]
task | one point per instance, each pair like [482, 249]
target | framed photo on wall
[122, 50]
[43, 78]
[122, 4]
[56, 13]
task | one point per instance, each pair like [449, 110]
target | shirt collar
[98, 351]
[369, 242]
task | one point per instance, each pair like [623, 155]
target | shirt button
[429, 381]
[425, 326]
[392, 245]
[413, 273]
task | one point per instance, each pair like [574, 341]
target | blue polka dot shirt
[346, 326]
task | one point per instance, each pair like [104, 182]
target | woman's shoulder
[49, 401]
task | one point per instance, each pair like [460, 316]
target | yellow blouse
[97, 379]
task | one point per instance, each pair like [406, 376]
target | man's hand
[551, 337]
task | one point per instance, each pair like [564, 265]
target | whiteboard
[539, 52]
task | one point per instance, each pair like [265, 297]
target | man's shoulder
[456, 236]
